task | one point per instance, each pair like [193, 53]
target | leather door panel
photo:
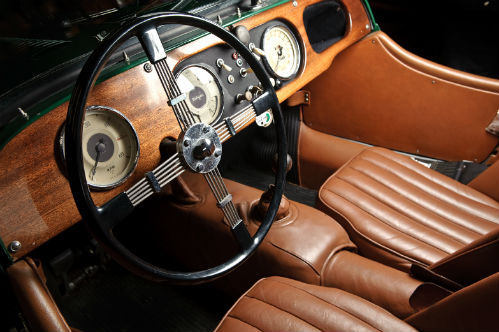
[377, 93]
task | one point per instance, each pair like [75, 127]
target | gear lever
[264, 202]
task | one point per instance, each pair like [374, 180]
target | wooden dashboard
[36, 202]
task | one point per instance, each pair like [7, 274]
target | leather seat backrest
[473, 308]
[475, 261]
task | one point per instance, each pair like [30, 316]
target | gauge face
[110, 147]
[282, 53]
[204, 94]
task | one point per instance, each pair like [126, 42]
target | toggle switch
[221, 64]
[256, 50]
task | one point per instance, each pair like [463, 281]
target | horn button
[200, 148]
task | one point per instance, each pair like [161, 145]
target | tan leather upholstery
[394, 290]
[38, 306]
[488, 181]
[378, 93]
[285, 251]
[474, 308]
[398, 211]
[473, 262]
[327, 155]
[279, 304]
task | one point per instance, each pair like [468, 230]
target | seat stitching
[373, 242]
[426, 177]
[423, 188]
[334, 305]
[270, 304]
[426, 192]
[394, 228]
[394, 207]
[239, 319]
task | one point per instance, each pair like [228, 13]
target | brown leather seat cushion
[398, 211]
[280, 304]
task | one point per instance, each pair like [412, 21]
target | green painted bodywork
[371, 16]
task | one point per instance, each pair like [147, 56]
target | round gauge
[282, 53]
[110, 147]
[204, 93]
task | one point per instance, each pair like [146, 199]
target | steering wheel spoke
[121, 206]
[230, 126]
[225, 203]
[155, 180]
[155, 52]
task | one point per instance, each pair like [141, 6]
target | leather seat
[400, 212]
[280, 304]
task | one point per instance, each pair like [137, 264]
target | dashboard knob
[255, 90]
[246, 96]
[242, 33]
[221, 64]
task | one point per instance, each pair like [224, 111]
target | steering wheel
[199, 149]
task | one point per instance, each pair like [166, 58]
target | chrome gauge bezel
[134, 162]
[298, 60]
[179, 71]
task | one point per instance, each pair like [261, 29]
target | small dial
[282, 53]
[204, 93]
[110, 147]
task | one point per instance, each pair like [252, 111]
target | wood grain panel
[35, 199]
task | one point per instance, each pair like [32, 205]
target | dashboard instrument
[110, 147]
[282, 52]
[204, 93]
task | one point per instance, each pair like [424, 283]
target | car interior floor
[117, 300]
[94, 293]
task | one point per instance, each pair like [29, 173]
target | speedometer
[282, 53]
[204, 93]
[110, 147]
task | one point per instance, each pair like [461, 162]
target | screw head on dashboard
[14, 246]
[147, 67]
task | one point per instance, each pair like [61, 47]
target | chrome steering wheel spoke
[121, 206]
[153, 47]
[155, 180]
[225, 203]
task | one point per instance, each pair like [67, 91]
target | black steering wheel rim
[76, 175]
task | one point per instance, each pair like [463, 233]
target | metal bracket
[493, 127]
[224, 201]
[176, 100]
[153, 181]
[230, 126]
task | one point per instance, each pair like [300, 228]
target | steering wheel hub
[200, 148]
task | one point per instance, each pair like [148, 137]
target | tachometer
[110, 147]
[204, 93]
[282, 52]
